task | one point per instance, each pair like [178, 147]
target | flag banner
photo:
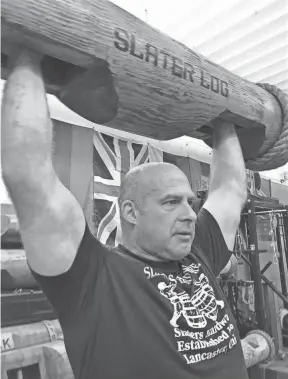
[113, 158]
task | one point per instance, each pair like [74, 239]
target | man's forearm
[228, 167]
[26, 126]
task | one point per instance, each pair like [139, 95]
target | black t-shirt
[129, 318]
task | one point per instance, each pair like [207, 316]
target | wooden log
[97, 54]
[56, 361]
[15, 272]
[21, 336]
[25, 307]
[257, 346]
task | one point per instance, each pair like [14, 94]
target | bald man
[152, 307]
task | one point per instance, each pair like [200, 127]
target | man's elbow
[237, 189]
[238, 197]
[233, 190]
[242, 196]
[234, 207]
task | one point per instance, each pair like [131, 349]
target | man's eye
[172, 202]
[191, 203]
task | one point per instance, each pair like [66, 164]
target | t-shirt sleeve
[70, 291]
[210, 241]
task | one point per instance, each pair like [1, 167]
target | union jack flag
[113, 158]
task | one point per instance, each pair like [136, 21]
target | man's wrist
[21, 56]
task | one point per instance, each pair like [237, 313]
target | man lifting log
[150, 308]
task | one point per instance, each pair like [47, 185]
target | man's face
[166, 227]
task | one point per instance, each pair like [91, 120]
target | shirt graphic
[202, 327]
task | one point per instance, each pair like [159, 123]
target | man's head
[156, 211]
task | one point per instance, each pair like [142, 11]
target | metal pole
[285, 234]
[281, 260]
[270, 284]
[255, 267]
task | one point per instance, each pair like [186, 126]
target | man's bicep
[226, 209]
[51, 224]
[71, 291]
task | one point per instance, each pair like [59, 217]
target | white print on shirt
[195, 309]
[198, 309]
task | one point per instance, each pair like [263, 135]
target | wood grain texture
[255, 350]
[165, 90]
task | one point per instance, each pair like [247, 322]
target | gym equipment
[15, 272]
[28, 362]
[48, 361]
[257, 347]
[56, 361]
[21, 336]
[24, 307]
[5, 222]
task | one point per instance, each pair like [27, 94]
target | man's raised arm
[228, 188]
[51, 220]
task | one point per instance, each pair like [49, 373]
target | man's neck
[139, 252]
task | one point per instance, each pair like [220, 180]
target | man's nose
[188, 213]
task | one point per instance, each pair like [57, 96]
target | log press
[114, 69]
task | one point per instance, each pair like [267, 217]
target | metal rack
[265, 206]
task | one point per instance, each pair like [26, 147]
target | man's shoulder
[118, 253]
[205, 220]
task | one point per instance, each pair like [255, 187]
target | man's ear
[129, 211]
